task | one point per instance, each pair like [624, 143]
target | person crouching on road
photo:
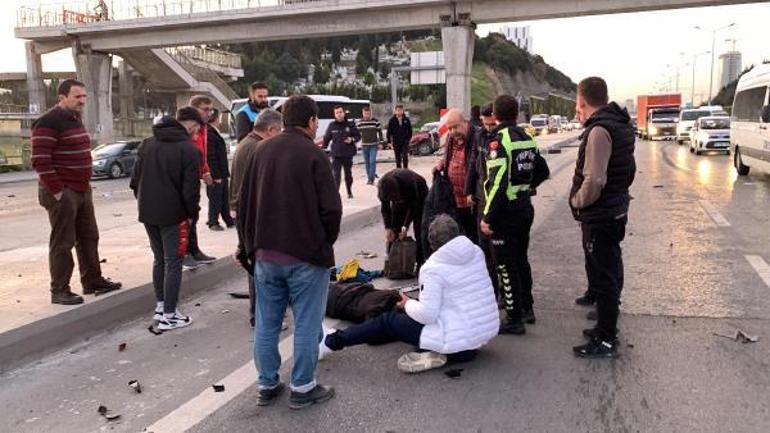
[343, 135]
[166, 184]
[599, 199]
[456, 313]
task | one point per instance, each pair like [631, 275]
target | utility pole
[713, 48]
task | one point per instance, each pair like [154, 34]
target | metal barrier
[83, 13]
[209, 55]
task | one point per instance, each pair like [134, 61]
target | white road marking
[207, 402]
[717, 217]
[761, 267]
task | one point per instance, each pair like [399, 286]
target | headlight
[653, 130]
[100, 162]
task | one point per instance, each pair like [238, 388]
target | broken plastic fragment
[218, 388]
[135, 385]
[454, 373]
[122, 346]
[108, 414]
[153, 330]
[103, 261]
[239, 295]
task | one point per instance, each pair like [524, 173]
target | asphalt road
[696, 239]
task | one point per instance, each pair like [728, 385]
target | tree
[322, 74]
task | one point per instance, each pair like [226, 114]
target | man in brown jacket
[289, 214]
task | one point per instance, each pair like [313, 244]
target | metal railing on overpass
[203, 74]
[209, 55]
[85, 12]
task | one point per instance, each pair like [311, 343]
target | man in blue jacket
[343, 135]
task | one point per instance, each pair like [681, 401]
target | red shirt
[457, 172]
[201, 143]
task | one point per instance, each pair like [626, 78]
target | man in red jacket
[205, 106]
[61, 155]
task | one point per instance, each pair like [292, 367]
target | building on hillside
[730, 67]
[519, 36]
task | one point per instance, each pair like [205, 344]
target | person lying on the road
[456, 313]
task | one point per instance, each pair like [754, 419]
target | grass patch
[481, 88]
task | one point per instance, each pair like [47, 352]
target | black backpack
[402, 260]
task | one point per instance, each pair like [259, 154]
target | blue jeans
[370, 160]
[306, 287]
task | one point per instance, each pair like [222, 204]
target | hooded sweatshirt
[457, 303]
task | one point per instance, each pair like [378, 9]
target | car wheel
[742, 170]
[425, 148]
[115, 170]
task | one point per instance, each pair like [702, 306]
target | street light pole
[692, 90]
[713, 48]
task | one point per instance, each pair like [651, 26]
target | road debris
[367, 254]
[117, 214]
[108, 414]
[218, 388]
[135, 385]
[11, 195]
[239, 295]
[225, 311]
[739, 335]
[454, 373]
[197, 304]
[122, 346]
[103, 261]
[657, 186]
[154, 330]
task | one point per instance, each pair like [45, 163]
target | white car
[688, 116]
[711, 133]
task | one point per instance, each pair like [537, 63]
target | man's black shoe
[512, 326]
[216, 228]
[319, 394]
[592, 333]
[267, 397]
[592, 315]
[66, 298]
[529, 317]
[203, 258]
[586, 300]
[596, 349]
[104, 286]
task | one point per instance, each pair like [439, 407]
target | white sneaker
[323, 349]
[417, 362]
[178, 320]
[158, 316]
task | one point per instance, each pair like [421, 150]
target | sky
[621, 48]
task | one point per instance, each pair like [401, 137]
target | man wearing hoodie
[599, 199]
[455, 315]
[166, 184]
[343, 136]
[244, 119]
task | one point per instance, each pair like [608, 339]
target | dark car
[114, 159]
[426, 141]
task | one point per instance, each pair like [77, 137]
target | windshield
[694, 115]
[109, 149]
[538, 122]
[663, 116]
[715, 124]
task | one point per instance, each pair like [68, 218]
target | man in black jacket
[166, 183]
[599, 199]
[343, 135]
[402, 195]
[399, 133]
[218, 191]
[244, 119]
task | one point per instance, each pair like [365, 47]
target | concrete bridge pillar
[126, 93]
[95, 71]
[35, 86]
[458, 42]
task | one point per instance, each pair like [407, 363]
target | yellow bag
[349, 270]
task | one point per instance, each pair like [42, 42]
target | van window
[748, 104]
[695, 115]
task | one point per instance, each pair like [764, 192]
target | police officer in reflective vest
[514, 169]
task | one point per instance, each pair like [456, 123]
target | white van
[326, 104]
[688, 116]
[750, 122]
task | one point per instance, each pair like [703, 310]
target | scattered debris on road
[107, 414]
[117, 214]
[154, 330]
[197, 304]
[122, 346]
[630, 345]
[657, 186]
[11, 195]
[135, 385]
[367, 254]
[225, 311]
[739, 335]
[239, 295]
[454, 373]
[218, 388]
[103, 261]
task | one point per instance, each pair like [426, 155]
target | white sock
[159, 305]
[168, 315]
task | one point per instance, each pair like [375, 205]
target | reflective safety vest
[249, 112]
[514, 162]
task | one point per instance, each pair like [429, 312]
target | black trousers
[604, 269]
[401, 151]
[485, 244]
[192, 244]
[338, 163]
[467, 220]
[219, 204]
[510, 245]
[169, 245]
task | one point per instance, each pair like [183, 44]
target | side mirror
[766, 114]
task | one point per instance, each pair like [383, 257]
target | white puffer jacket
[457, 302]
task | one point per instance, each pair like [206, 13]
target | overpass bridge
[154, 24]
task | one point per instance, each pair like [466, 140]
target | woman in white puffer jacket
[455, 316]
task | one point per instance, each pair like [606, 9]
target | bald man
[457, 164]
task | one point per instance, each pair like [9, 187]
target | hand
[403, 233]
[217, 180]
[390, 235]
[471, 200]
[58, 195]
[439, 165]
[349, 140]
[236, 256]
[401, 305]
[207, 178]
[486, 229]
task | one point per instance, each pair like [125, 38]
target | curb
[52, 333]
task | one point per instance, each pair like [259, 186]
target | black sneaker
[512, 326]
[104, 286]
[529, 317]
[596, 349]
[592, 315]
[267, 397]
[586, 300]
[319, 394]
[66, 298]
[202, 258]
[189, 263]
[216, 228]
[592, 333]
[350, 195]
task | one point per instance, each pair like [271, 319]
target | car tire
[743, 170]
[425, 148]
[115, 171]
